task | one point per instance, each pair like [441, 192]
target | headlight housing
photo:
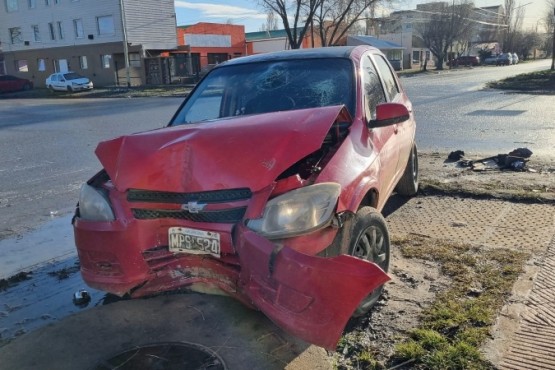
[297, 212]
[94, 205]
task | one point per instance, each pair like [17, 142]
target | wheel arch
[366, 194]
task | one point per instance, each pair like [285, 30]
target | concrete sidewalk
[524, 337]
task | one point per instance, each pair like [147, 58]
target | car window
[54, 78]
[264, 87]
[72, 76]
[389, 82]
[373, 91]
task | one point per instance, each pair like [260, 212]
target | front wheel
[370, 242]
[408, 184]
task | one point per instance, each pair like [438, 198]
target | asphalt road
[454, 111]
[47, 145]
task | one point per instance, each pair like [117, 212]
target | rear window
[269, 87]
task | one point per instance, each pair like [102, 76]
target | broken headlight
[297, 212]
[94, 205]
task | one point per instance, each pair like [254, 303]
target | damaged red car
[267, 185]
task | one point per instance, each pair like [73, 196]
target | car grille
[231, 215]
[224, 215]
[215, 196]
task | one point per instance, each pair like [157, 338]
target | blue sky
[249, 14]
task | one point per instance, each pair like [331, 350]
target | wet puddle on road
[41, 297]
[51, 241]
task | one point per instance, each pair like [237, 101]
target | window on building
[217, 58]
[61, 65]
[11, 6]
[60, 28]
[21, 65]
[41, 64]
[105, 25]
[32, 4]
[106, 60]
[36, 32]
[51, 31]
[15, 35]
[83, 62]
[56, 1]
[78, 27]
[416, 56]
[134, 60]
[47, 2]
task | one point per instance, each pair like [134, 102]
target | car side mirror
[388, 114]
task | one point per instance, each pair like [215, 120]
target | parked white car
[68, 81]
[515, 58]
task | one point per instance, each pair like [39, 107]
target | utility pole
[451, 35]
[553, 49]
[125, 45]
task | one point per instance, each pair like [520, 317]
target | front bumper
[308, 296]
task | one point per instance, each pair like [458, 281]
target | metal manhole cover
[164, 356]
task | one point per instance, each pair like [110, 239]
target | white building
[90, 37]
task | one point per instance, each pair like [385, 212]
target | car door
[54, 81]
[403, 132]
[60, 82]
[383, 137]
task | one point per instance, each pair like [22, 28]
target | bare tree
[513, 18]
[446, 25]
[297, 16]
[271, 22]
[337, 18]
[550, 28]
[526, 42]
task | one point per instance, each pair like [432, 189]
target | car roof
[311, 53]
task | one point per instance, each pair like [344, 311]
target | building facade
[90, 37]
[402, 27]
[203, 45]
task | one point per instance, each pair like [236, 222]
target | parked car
[68, 81]
[492, 60]
[466, 60]
[504, 59]
[266, 185]
[515, 59]
[10, 83]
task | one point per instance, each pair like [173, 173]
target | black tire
[70, 89]
[370, 241]
[51, 88]
[26, 87]
[408, 184]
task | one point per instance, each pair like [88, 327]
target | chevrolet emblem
[193, 207]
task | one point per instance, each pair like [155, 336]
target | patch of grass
[543, 82]
[357, 354]
[457, 323]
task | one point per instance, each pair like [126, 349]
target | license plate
[185, 240]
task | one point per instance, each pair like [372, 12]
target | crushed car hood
[245, 151]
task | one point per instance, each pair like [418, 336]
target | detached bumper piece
[310, 297]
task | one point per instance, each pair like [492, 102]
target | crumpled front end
[168, 212]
